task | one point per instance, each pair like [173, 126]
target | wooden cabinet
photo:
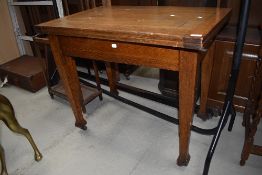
[223, 59]
[134, 2]
[189, 3]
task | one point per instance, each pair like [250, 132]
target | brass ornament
[7, 115]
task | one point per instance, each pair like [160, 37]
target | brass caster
[38, 157]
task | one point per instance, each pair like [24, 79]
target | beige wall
[8, 46]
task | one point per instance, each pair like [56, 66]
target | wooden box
[25, 72]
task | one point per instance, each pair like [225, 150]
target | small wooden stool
[89, 93]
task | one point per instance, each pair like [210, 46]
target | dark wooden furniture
[253, 114]
[168, 83]
[73, 6]
[32, 15]
[188, 3]
[134, 2]
[173, 38]
[223, 55]
[25, 72]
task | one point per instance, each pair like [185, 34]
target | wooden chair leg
[246, 150]
[51, 94]
[84, 109]
[248, 140]
[112, 75]
[206, 69]
[250, 131]
[252, 115]
[97, 80]
[118, 73]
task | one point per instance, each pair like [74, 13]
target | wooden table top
[184, 27]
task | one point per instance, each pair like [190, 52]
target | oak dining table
[167, 37]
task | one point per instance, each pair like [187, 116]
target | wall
[8, 46]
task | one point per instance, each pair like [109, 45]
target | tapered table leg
[68, 73]
[187, 85]
[206, 69]
[111, 71]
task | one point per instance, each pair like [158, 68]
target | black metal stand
[228, 107]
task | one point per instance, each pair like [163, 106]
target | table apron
[120, 52]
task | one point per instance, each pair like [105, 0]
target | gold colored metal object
[7, 115]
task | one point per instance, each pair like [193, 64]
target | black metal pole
[228, 105]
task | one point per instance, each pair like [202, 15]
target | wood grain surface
[184, 27]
